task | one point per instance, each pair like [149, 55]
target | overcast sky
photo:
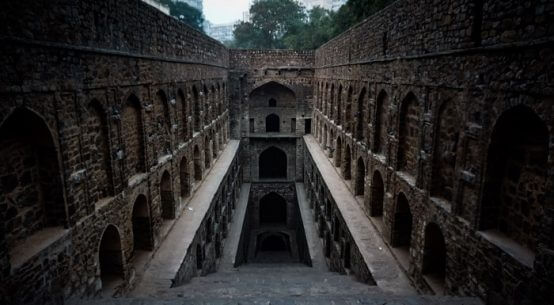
[225, 11]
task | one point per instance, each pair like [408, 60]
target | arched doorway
[273, 209]
[515, 181]
[408, 139]
[99, 158]
[31, 175]
[142, 227]
[434, 257]
[273, 164]
[133, 138]
[347, 163]
[402, 224]
[380, 136]
[197, 164]
[196, 119]
[272, 123]
[207, 155]
[338, 153]
[166, 195]
[360, 115]
[184, 178]
[110, 258]
[377, 195]
[360, 178]
[446, 145]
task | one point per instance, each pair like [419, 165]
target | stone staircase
[275, 284]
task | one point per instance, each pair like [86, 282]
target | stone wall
[257, 77]
[101, 97]
[339, 248]
[421, 122]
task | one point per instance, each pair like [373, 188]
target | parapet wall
[116, 26]
[414, 27]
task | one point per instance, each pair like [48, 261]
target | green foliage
[185, 13]
[278, 24]
[270, 21]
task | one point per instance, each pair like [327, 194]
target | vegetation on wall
[285, 24]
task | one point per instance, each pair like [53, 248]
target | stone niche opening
[514, 190]
[30, 179]
[273, 164]
[110, 256]
[273, 231]
[272, 123]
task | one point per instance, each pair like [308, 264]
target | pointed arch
[348, 111]
[163, 120]
[273, 163]
[434, 254]
[381, 117]
[110, 257]
[184, 177]
[197, 119]
[377, 195]
[360, 178]
[272, 123]
[142, 225]
[207, 155]
[166, 195]
[360, 115]
[517, 161]
[31, 174]
[184, 115]
[408, 140]
[99, 157]
[447, 133]
[346, 172]
[338, 153]
[197, 164]
[339, 106]
[132, 122]
[402, 223]
[273, 209]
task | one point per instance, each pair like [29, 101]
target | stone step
[304, 300]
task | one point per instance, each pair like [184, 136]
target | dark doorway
[166, 193]
[272, 123]
[274, 243]
[273, 209]
[197, 164]
[434, 253]
[360, 178]
[402, 223]
[142, 231]
[111, 258]
[377, 195]
[308, 126]
[515, 183]
[273, 164]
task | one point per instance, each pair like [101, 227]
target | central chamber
[273, 231]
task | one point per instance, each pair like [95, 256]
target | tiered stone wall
[255, 77]
[415, 105]
[102, 97]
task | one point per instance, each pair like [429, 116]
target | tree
[355, 11]
[270, 21]
[185, 13]
[312, 34]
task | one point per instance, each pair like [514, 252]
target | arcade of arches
[412, 153]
